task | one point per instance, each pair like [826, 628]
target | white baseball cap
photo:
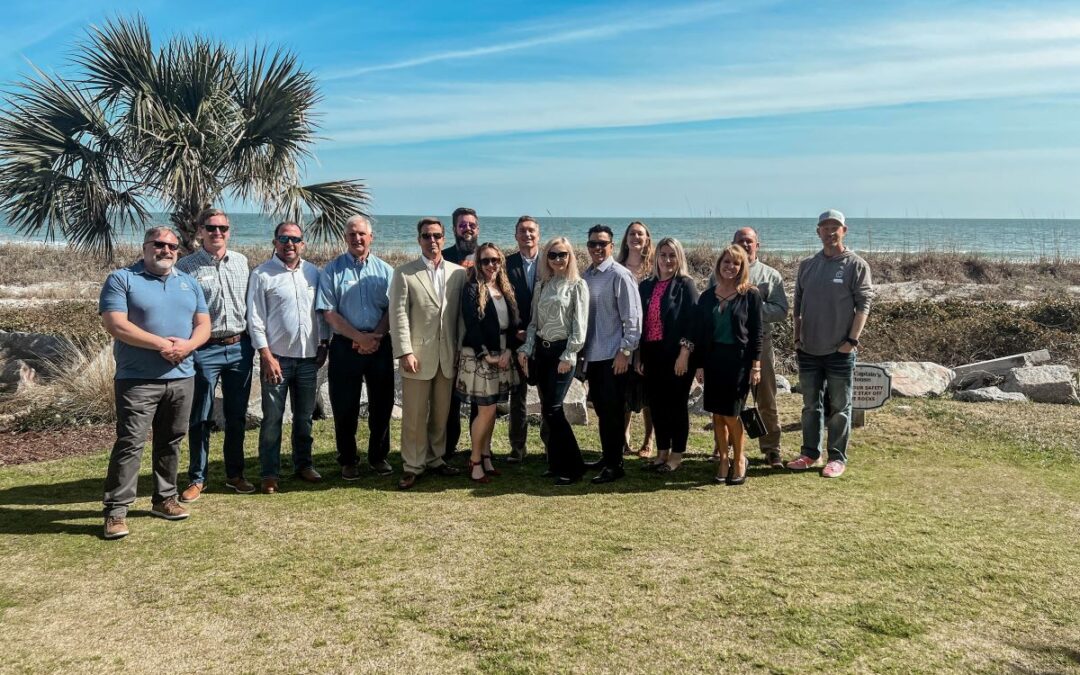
[833, 215]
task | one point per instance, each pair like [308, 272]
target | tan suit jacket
[419, 325]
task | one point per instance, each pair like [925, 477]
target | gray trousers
[519, 421]
[766, 398]
[141, 405]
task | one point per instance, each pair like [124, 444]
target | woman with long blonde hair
[636, 254]
[489, 310]
[727, 347]
[556, 333]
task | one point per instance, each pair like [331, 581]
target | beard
[466, 245]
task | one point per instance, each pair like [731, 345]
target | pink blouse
[654, 329]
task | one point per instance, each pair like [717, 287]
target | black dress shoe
[608, 475]
[446, 470]
[566, 480]
[598, 464]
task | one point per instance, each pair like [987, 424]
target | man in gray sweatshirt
[774, 308]
[832, 301]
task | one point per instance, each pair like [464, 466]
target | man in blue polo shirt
[157, 316]
[353, 299]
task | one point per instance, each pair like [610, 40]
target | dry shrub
[74, 319]
[79, 392]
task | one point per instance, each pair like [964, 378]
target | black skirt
[727, 379]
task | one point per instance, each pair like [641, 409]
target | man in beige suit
[425, 299]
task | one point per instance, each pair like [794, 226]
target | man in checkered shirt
[226, 356]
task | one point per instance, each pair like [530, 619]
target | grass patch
[950, 544]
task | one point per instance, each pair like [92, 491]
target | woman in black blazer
[489, 312]
[668, 299]
[727, 339]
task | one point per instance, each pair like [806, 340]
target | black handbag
[751, 419]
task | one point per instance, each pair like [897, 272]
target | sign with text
[873, 386]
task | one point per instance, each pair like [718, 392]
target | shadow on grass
[1063, 655]
[516, 479]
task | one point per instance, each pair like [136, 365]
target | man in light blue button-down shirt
[353, 297]
[614, 330]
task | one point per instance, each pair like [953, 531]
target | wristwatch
[851, 341]
[625, 352]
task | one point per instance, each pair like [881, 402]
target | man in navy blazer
[461, 252]
[522, 268]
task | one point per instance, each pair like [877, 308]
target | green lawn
[952, 544]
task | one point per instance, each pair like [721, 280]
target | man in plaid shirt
[226, 356]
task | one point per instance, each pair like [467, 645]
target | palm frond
[61, 163]
[327, 206]
[118, 58]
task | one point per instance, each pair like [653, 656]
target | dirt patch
[39, 446]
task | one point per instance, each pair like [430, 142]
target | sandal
[667, 468]
[489, 466]
[653, 466]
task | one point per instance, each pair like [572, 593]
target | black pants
[668, 396]
[564, 454]
[606, 394]
[348, 371]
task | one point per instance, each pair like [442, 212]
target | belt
[548, 344]
[229, 340]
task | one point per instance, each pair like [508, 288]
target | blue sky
[748, 107]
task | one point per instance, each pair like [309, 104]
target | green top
[722, 331]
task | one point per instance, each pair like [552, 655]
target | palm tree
[180, 128]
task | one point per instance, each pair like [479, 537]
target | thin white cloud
[979, 68]
[603, 28]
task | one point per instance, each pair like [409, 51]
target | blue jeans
[231, 364]
[299, 380]
[832, 373]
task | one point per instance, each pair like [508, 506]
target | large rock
[973, 375]
[1043, 384]
[33, 346]
[574, 406]
[782, 385]
[918, 378]
[988, 395]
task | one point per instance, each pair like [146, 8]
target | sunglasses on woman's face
[489, 262]
[558, 255]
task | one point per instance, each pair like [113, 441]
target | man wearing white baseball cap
[833, 293]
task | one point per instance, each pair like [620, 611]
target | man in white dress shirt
[289, 335]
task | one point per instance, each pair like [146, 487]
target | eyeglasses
[164, 244]
[489, 262]
[598, 244]
[431, 236]
[468, 226]
[216, 228]
[286, 239]
[558, 255]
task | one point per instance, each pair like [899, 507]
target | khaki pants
[766, 398]
[425, 405]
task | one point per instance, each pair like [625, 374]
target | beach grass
[950, 545]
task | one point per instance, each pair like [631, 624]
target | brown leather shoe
[115, 527]
[269, 486]
[192, 492]
[240, 484]
[169, 509]
[309, 475]
[407, 481]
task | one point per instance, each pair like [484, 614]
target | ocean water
[1014, 239]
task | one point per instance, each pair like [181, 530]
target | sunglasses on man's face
[465, 225]
[431, 236]
[598, 244]
[286, 239]
[216, 228]
[558, 255]
[159, 245]
[489, 262]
